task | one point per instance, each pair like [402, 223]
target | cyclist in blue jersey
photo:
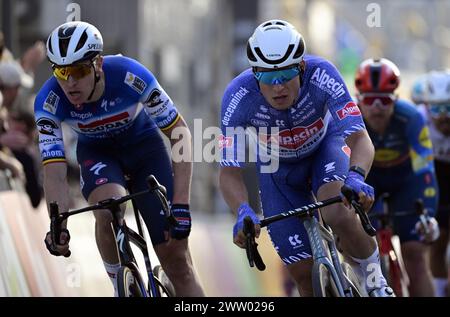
[304, 97]
[436, 109]
[403, 165]
[115, 105]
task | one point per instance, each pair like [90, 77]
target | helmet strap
[301, 68]
[97, 79]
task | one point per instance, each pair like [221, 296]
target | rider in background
[436, 109]
[115, 105]
[305, 97]
[403, 165]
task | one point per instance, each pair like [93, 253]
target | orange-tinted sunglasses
[76, 71]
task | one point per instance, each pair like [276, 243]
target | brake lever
[249, 232]
[365, 221]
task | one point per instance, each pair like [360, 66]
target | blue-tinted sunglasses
[277, 77]
[439, 109]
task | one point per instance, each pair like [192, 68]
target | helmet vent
[272, 27]
[50, 47]
[375, 72]
[82, 41]
[250, 54]
[63, 45]
[300, 49]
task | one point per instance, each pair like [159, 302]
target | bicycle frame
[317, 234]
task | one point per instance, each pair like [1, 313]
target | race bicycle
[331, 277]
[129, 279]
[391, 260]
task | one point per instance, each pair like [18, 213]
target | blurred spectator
[18, 131]
[12, 78]
[6, 161]
[28, 63]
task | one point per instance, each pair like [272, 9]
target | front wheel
[129, 283]
[165, 286]
[324, 284]
[356, 286]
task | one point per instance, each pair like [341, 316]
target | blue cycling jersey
[131, 107]
[323, 104]
[405, 148]
[403, 167]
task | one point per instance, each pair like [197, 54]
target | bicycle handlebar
[253, 255]
[110, 204]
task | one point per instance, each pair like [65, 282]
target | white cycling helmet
[73, 42]
[438, 87]
[275, 44]
[418, 90]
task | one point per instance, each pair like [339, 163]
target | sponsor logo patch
[225, 142]
[51, 102]
[101, 181]
[350, 109]
[135, 82]
[47, 126]
[154, 99]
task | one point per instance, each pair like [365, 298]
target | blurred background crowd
[195, 47]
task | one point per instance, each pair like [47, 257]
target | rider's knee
[338, 217]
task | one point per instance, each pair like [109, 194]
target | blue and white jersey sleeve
[51, 144]
[343, 109]
[156, 101]
[232, 141]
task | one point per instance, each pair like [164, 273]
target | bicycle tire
[324, 285]
[166, 288]
[129, 283]
[358, 290]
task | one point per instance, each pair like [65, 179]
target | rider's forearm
[181, 163]
[56, 187]
[233, 187]
[182, 174]
[362, 150]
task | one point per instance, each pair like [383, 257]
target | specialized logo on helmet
[95, 47]
[350, 109]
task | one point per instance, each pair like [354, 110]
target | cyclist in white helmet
[437, 111]
[419, 89]
[115, 105]
[319, 124]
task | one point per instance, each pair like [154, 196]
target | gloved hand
[244, 210]
[433, 230]
[365, 192]
[183, 216]
[62, 246]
